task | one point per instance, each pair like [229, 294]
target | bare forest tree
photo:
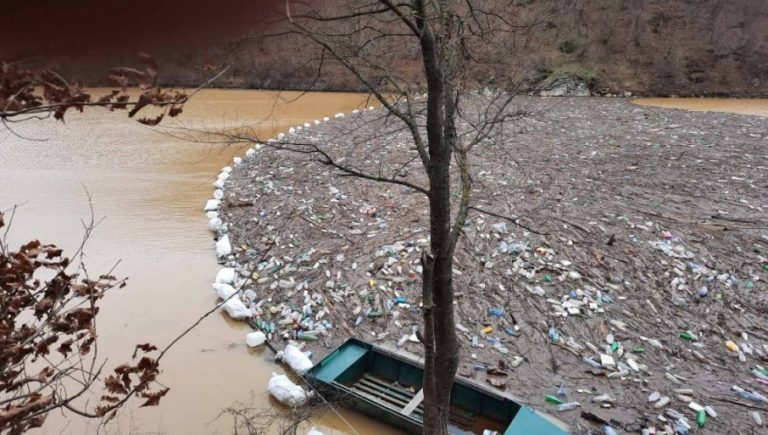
[458, 48]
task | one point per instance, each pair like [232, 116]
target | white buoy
[317, 122]
[237, 161]
[218, 194]
[251, 153]
[223, 247]
[226, 275]
[291, 130]
[280, 136]
[255, 339]
[225, 291]
[326, 119]
[211, 214]
[226, 169]
[307, 125]
[214, 224]
[338, 115]
[212, 205]
[236, 309]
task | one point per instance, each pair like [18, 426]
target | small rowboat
[386, 385]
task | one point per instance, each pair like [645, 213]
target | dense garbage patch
[617, 280]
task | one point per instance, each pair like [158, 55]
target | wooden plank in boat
[415, 402]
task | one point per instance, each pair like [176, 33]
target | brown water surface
[150, 188]
[755, 106]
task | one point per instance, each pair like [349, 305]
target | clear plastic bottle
[568, 406]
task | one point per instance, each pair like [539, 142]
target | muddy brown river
[150, 189]
[755, 106]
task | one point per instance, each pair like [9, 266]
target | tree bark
[441, 345]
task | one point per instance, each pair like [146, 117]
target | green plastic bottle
[554, 400]
[701, 418]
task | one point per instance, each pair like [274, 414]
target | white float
[214, 224]
[236, 309]
[295, 358]
[225, 291]
[226, 275]
[212, 205]
[223, 247]
[255, 339]
[286, 392]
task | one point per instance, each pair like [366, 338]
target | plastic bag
[225, 291]
[286, 392]
[295, 358]
[236, 309]
[223, 247]
[226, 275]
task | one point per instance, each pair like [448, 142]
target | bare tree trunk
[441, 345]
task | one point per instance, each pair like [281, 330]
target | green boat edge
[329, 375]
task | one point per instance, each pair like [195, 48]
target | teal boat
[386, 385]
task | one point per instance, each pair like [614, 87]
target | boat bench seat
[396, 397]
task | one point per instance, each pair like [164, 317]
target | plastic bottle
[552, 399]
[701, 418]
[655, 343]
[592, 363]
[554, 336]
[602, 398]
[402, 341]
[496, 312]
[567, 406]
[750, 395]
[681, 428]
[306, 336]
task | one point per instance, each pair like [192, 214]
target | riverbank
[641, 243]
